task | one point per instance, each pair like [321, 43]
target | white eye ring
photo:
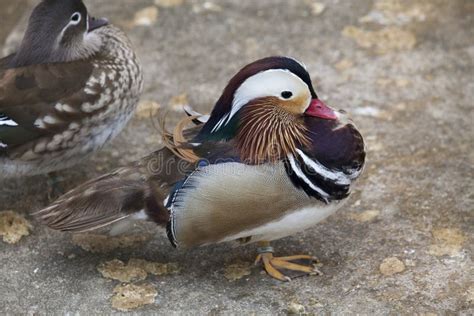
[75, 18]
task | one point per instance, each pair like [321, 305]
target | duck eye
[76, 18]
[286, 94]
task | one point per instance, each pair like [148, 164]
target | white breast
[290, 224]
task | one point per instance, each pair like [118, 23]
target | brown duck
[71, 87]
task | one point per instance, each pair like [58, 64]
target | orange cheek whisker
[268, 132]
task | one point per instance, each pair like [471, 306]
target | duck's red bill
[317, 108]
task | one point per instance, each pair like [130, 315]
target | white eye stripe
[74, 20]
[270, 82]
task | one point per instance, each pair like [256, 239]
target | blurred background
[403, 244]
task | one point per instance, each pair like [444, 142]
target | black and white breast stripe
[315, 179]
[6, 121]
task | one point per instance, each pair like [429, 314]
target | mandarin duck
[71, 87]
[270, 160]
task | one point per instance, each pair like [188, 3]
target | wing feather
[31, 93]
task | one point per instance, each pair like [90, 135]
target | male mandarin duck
[71, 87]
[271, 160]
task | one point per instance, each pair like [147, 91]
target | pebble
[132, 296]
[237, 271]
[446, 241]
[317, 8]
[391, 266]
[146, 17]
[13, 227]
[296, 309]
[365, 216]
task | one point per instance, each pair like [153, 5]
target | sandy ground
[402, 245]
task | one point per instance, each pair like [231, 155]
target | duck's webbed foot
[273, 265]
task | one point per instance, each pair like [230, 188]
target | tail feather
[129, 193]
[97, 203]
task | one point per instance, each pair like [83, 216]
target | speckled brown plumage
[59, 113]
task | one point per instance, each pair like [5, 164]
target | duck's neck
[34, 49]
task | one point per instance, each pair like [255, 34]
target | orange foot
[272, 264]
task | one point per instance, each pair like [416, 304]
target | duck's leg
[272, 264]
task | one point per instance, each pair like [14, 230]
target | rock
[296, 309]
[237, 271]
[71, 256]
[206, 6]
[146, 17]
[391, 266]
[13, 227]
[133, 296]
[316, 7]
[447, 241]
[211, 6]
[117, 270]
[135, 270]
[365, 216]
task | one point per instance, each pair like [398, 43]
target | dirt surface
[403, 244]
